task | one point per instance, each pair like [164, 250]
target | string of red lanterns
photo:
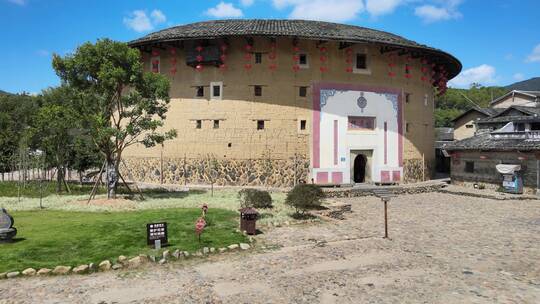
[223, 57]
[172, 53]
[199, 67]
[323, 58]
[348, 60]
[391, 65]
[296, 58]
[247, 56]
[272, 56]
[155, 61]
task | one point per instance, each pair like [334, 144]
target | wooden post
[423, 167]
[385, 220]
[161, 166]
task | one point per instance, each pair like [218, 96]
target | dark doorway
[360, 168]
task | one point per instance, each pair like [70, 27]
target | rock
[117, 266]
[222, 249]
[81, 269]
[467, 272]
[233, 246]
[135, 262]
[244, 246]
[91, 267]
[205, 250]
[177, 254]
[30, 272]
[144, 258]
[198, 253]
[61, 270]
[186, 254]
[212, 250]
[3, 275]
[162, 261]
[166, 254]
[44, 271]
[14, 274]
[153, 258]
[122, 259]
[105, 265]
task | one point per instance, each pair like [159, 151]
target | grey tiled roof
[315, 30]
[486, 142]
[507, 119]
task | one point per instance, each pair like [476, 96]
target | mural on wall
[357, 134]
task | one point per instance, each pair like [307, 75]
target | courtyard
[443, 248]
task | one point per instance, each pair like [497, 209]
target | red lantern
[273, 46]
[296, 67]
[247, 66]
[296, 49]
[272, 66]
[199, 67]
[272, 56]
[323, 69]
[349, 51]
[223, 66]
[323, 49]
[408, 76]
[391, 64]
[172, 51]
[173, 70]
[248, 47]
[296, 58]
[223, 48]
[392, 74]
[223, 57]
[349, 69]
[199, 58]
[323, 58]
[155, 53]
[247, 56]
[199, 48]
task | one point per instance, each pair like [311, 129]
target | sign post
[384, 195]
[157, 233]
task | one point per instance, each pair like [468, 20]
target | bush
[304, 197]
[255, 198]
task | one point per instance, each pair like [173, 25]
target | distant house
[517, 98]
[464, 124]
[504, 152]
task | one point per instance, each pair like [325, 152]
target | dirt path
[443, 249]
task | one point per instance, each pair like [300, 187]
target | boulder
[212, 250]
[44, 271]
[166, 254]
[29, 272]
[186, 254]
[122, 259]
[14, 274]
[136, 262]
[105, 265]
[177, 254]
[3, 275]
[222, 249]
[61, 270]
[233, 246]
[244, 246]
[205, 250]
[91, 267]
[162, 261]
[81, 269]
[117, 266]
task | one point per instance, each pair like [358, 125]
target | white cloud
[439, 11]
[247, 3]
[382, 7]
[224, 10]
[139, 21]
[324, 10]
[483, 74]
[535, 55]
[518, 76]
[18, 2]
[158, 16]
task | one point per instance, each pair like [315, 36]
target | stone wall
[205, 169]
[412, 170]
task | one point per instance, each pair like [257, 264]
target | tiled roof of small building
[488, 143]
[315, 30]
[515, 118]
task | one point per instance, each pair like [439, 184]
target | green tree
[119, 103]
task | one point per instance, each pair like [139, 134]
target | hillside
[532, 84]
[4, 93]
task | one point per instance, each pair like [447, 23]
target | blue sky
[498, 41]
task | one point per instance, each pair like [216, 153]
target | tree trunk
[112, 178]
[59, 175]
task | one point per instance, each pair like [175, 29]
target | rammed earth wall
[204, 170]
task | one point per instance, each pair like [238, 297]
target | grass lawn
[48, 238]
[34, 189]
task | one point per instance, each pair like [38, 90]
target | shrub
[304, 197]
[255, 198]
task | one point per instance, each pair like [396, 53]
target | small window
[258, 58]
[302, 124]
[361, 61]
[257, 90]
[216, 124]
[198, 124]
[407, 97]
[302, 59]
[216, 90]
[154, 63]
[469, 126]
[469, 167]
[200, 91]
[407, 127]
[302, 91]
[361, 123]
[260, 124]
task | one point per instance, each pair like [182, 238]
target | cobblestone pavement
[443, 249]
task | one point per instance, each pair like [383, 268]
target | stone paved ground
[443, 249]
